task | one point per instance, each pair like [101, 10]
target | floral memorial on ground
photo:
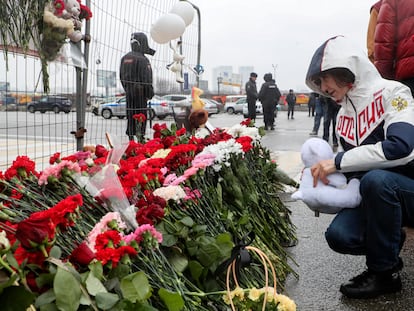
[150, 225]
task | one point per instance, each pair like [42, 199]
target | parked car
[180, 102]
[50, 103]
[117, 108]
[234, 107]
[259, 109]
[211, 106]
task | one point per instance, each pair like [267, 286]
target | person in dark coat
[251, 93]
[291, 101]
[269, 95]
[136, 79]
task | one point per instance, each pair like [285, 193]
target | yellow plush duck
[197, 103]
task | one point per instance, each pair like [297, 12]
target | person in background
[394, 47]
[291, 101]
[373, 16]
[319, 102]
[269, 95]
[136, 79]
[251, 93]
[311, 104]
[330, 112]
[376, 132]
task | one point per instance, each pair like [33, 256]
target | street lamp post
[219, 81]
[274, 71]
[198, 66]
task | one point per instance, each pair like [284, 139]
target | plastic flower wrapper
[117, 151]
[106, 187]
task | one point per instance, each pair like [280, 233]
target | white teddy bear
[177, 65]
[331, 198]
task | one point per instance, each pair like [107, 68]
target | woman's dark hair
[342, 76]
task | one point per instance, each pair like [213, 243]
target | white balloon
[185, 10]
[168, 27]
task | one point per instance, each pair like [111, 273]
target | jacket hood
[339, 52]
[139, 43]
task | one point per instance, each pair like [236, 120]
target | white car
[259, 109]
[117, 108]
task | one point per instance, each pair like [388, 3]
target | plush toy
[72, 11]
[331, 198]
[177, 65]
[196, 102]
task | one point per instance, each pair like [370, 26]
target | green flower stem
[6, 266]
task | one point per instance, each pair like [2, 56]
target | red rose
[82, 255]
[35, 231]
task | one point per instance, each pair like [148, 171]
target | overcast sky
[283, 33]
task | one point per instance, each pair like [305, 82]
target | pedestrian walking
[318, 102]
[311, 104]
[269, 95]
[136, 79]
[330, 113]
[376, 131]
[291, 102]
[251, 95]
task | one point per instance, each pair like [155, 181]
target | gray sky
[279, 32]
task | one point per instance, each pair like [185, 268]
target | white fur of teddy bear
[177, 65]
[331, 198]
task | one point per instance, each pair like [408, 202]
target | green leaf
[55, 252]
[67, 290]
[196, 269]
[12, 261]
[172, 300]
[106, 301]
[179, 262]
[16, 298]
[135, 287]
[94, 286]
[97, 269]
[45, 298]
[188, 221]
[208, 254]
[49, 307]
[169, 240]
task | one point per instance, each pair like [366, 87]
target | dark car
[50, 103]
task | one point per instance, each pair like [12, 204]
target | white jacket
[375, 124]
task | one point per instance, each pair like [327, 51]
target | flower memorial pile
[150, 225]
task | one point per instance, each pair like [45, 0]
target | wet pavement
[321, 270]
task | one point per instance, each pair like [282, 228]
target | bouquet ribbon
[239, 254]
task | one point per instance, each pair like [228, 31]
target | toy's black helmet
[139, 43]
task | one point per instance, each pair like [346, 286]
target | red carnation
[140, 117]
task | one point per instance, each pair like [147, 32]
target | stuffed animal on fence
[331, 198]
[72, 12]
[177, 65]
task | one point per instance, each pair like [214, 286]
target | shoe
[272, 128]
[313, 133]
[371, 284]
[266, 128]
[292, 118]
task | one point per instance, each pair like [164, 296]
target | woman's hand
[321, 170]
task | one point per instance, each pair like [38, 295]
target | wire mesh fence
[88, 79]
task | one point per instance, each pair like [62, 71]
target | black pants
[251, 106]
[291, 110]
[135, 104]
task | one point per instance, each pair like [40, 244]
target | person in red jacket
[394, 48]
